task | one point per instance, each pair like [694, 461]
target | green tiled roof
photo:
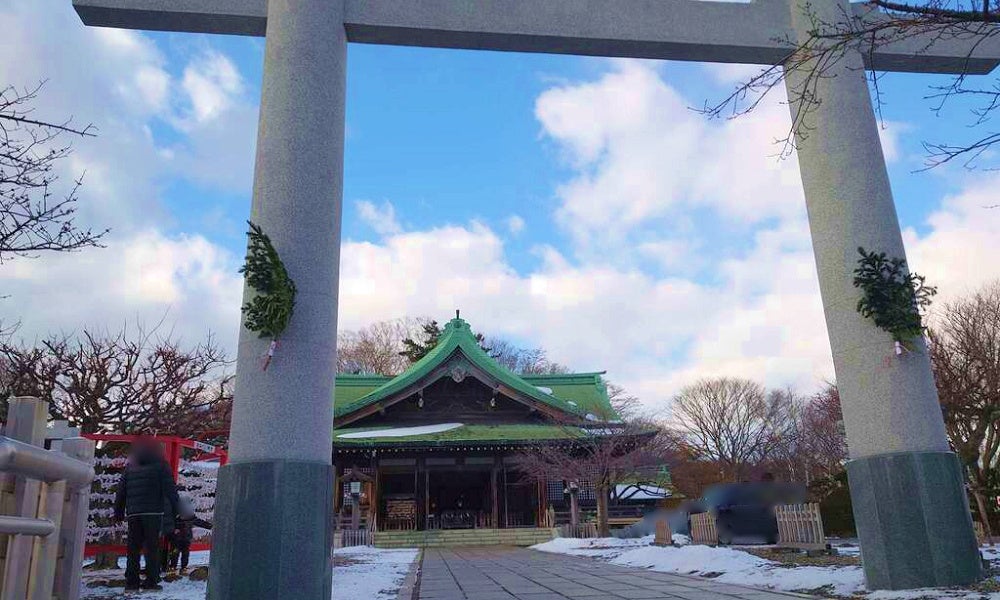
[351, 387]
[496, 434]
[582, 395]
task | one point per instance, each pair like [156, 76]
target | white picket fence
[582, 530]
[800, 526]
[345, 538]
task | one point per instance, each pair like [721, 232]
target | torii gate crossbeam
[273, 505]
[693, 30]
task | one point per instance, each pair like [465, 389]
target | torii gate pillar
[907, 487]
[273, 533]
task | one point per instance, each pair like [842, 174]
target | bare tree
[733, 422]
[375, 349]
[525, 361]
[32, 218]
[600, 455]
[965, 354]
[969, 23]
[814, 444]
[127, 382]
[824, 439]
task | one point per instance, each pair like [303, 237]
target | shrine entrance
[459, 500]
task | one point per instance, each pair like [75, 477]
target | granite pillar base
[272, 536]
[912, 516]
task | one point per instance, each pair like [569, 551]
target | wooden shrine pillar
[543, 501]
[494, 489]
[338, 494]
[420, 494]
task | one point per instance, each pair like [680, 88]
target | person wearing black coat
[146, 487]
[183, 534]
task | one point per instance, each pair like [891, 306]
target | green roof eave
[456, 337]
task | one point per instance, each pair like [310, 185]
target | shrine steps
[440, 538]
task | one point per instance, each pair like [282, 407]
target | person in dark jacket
[144, 488]
[184, 526]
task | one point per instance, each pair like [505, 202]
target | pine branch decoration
[892, 296]
[271, 308]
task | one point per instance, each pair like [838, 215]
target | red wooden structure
[172, 448]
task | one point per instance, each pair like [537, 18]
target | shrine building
[434, 447]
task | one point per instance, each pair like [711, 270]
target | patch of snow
[591, 417]
[728, 565]
[401, 431]
[547, 390]
[596, 547]
[680, 539]
[378, 574]
[370, 574]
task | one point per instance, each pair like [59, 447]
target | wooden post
[74, 524]
[355, 512]
[574, 506]
[420, 494]
[494, 483]
[26, 418]
[337, 492]
[46, 549]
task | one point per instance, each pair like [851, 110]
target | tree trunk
[603, 529]
[984, 514]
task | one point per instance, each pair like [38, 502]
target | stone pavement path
[503, 573]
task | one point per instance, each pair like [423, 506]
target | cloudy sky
[576, 204]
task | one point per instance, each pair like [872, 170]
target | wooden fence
[800, 526]
[43, 504]
[703, 529]
[352, 537]
[663, 537]
[583, 530]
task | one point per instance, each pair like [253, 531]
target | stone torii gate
[272, 526]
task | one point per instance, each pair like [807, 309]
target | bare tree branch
[32, 219]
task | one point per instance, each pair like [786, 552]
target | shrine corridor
[506, 573]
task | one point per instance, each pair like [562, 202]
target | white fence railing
[352, 537]
[582, 530]
[43, 505]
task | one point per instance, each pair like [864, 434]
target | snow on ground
[730, 565]
[377, 575]
[401, 431]
[359, 572]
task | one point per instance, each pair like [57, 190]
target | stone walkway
[502, 573]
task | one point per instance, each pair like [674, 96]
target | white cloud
[382, 219]
[959, 251]
[143, 278]
[643, 159]
[212, 84]
[515, 224]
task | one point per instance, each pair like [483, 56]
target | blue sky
[567, 202]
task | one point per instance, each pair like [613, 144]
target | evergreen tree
[414, 350]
